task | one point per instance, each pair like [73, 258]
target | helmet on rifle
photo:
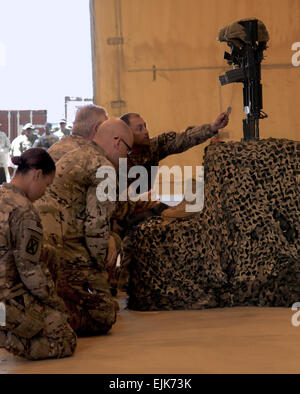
[237, 34]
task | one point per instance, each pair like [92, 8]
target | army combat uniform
[78, 226]
[167, 144]
[36, 322]
[65, 145]
[123, 209]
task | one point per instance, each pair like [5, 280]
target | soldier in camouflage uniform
[36, 321]
[46, 140]
[87, 119]
[148, 152]
[78, 225]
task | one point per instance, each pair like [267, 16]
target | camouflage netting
[243, 248]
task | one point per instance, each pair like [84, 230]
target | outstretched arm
[170, 143]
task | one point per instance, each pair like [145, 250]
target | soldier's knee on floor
[42, 348]
[105, 318]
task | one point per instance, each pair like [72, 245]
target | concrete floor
[230, 340]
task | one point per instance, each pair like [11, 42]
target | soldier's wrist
[213, 129]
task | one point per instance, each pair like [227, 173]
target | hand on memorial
[221, 122]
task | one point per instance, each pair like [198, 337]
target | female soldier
[36, 325]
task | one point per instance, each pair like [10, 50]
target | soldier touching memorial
[149, 151]
[36, 322]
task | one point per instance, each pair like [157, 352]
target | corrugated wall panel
[178, 38]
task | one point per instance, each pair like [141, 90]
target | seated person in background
[36, 322]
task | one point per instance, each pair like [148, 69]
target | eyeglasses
[129, 149]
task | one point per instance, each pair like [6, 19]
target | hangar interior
[162, 59]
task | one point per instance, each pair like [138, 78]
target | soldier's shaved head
[115, 138]
[112, 128]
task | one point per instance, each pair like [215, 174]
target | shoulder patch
[32, 245]
[32, 242]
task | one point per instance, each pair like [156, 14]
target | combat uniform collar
[77, 137]
[14, 188]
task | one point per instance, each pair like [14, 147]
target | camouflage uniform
[36, 325]
[45, 141]
[123, 209]
[65, 145]
[167, 144]
[78, 225]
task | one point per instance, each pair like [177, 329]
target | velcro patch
[32, 245]
[32, 241]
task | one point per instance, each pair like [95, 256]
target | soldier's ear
[117, 141]
[38, 174]
[93, 132]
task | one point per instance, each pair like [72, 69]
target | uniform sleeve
[169, 143]
[126, 210]
[27, 237]
[97, 225]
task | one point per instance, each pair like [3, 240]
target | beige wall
[180, 36]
